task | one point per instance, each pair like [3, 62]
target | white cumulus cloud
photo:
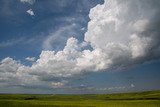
[30, 12]
[125, 30]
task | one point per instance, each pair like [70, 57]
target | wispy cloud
[28, 1]
[21, 40]
[59, 36]
[11, 42]
[32, 59]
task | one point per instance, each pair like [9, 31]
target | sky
[79, 46]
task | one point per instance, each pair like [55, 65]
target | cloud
[60, 35]
[9, 65]
[20, 41]
[58, 84]
[126, 31]
[83, 28]
[11, 42]
[14, 74]
[132, 85]
[32, 59]
[60, 64]
[30, 12]
[28, 1]
[122, 33]
[92, 89]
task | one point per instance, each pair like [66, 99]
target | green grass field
[141, 99]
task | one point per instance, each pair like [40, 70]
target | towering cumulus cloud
[127, 31]
[122, 33]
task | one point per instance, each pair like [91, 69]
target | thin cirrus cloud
[59, 35]
[28, 1]
[11, 42]
[122, 33]
[20, 40]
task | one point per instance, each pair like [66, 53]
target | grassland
[139, 99]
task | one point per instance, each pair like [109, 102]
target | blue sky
[60, 46]
[18, 26]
